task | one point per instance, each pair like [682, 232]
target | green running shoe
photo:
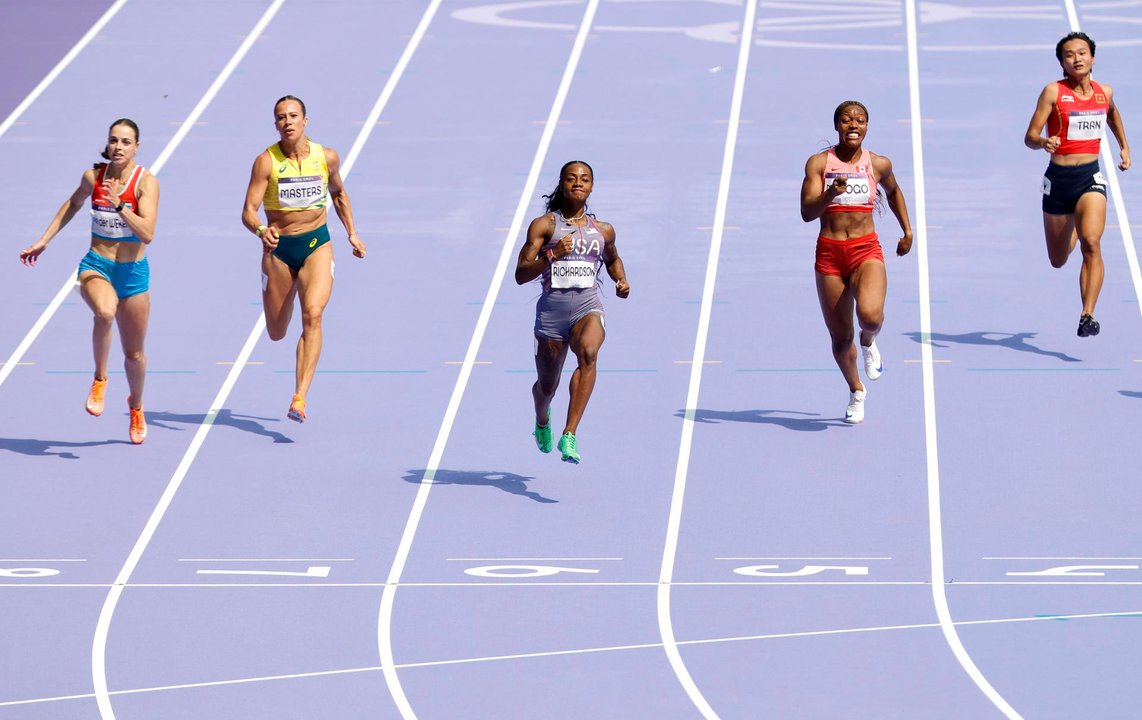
[568, 448]
[542, 434]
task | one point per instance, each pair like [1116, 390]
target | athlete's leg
[279, 286]
[314, 286]
[101, 298]
[1061, 236]
[549, 358]
[1090, 221]
[836, 300]
[132, 318]
[869, 283]
[587, 337]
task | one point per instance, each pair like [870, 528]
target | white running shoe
[854, 413]
[873, 368]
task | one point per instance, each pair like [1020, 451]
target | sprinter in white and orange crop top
[840, 191]
[114, 276]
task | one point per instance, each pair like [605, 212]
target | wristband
[120, 206]
[550, 254]
[261, 229]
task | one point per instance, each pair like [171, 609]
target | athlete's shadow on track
[810, 422]
[245, 423]
[506, 481]
[1011, 341]
[1130, 393]
[43, 448]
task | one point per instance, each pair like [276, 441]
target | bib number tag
[297, 193]
[1086, 125]
[106, 223]
[566, 274]
[857, 188]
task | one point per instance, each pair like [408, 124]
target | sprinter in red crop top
[114, 276]
[1076, 112]
[840, 190]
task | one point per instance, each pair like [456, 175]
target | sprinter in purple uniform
[566, 247]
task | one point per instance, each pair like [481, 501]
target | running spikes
[95, 396]
[1088, 326]
[568, 448]
[854, 413]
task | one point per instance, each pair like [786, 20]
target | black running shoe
[1088, 326]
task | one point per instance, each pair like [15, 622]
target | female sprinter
[566, 247]
[1076, 110]
[114, 276]
[291, 179]
[840, 188]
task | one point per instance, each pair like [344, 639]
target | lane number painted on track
[803, 571]
[524, 571]
[1073, 571]
[26, 573]
[313, 571]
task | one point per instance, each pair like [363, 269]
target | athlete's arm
[532, 261]
[1114, 122]
[142, 219]
[613, 262]
[255, 191]
[887, 180]
[63, 216]
[1033, 138]
[341, 203]
[815, 197]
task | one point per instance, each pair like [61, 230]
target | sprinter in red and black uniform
[1076, 112]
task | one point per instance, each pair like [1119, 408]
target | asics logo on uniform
[313, 242]
[282, 169]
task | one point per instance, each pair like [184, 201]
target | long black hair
[121, 121]
[554, 201]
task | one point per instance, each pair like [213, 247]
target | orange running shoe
[95, 396]
[297, 409]
[138, 424]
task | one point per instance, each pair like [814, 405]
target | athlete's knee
[871, 320]
[132, 357]
[1091, 246]
[104, 315]
[1057, 260]
[311, 315]
[842, 341]
[276, 333]
[588, 355]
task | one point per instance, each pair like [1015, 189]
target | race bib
[857, 188]
[1086, 124]
[566, 274]
[107, 224]
[296, 193]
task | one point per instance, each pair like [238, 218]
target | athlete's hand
[622, 288]
[1052, 144]
[904, 245]
[30, 254]
[358, 246]
[1125, 157]
[269, 238]
[564, 247]
[839, 186]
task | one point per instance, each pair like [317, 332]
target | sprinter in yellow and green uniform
[295, 179]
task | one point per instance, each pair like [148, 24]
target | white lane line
[61, 66]
[41, 560]
[536, 559]
[1062, 558]
[103, 626]
[935, 521]
[583, 584]
[697, 364]
[561, 653]
[1115, 189]
[385, 614]
[802, 558]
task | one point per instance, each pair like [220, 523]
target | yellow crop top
[293, 187]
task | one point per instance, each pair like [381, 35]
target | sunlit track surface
[802, 581]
